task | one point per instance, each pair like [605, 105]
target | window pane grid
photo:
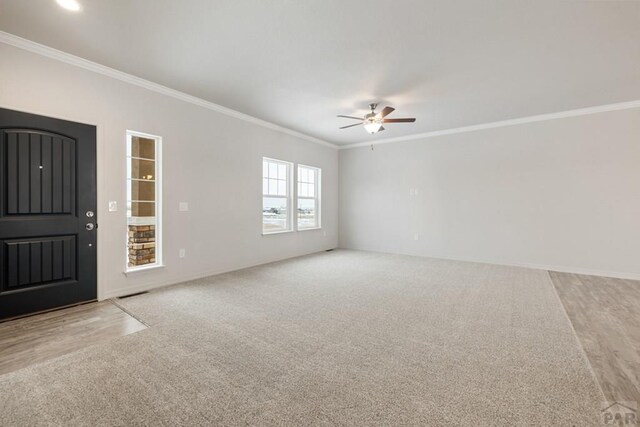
[276, 204]
[308, 203]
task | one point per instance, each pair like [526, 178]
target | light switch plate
[113, 206]
[183, 207]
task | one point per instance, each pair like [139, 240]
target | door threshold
[22, 316]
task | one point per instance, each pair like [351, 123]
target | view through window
[308, 197]
[276, 196]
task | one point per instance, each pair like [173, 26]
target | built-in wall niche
[143, 200]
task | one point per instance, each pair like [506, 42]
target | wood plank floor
[605, 314]
[38, 338]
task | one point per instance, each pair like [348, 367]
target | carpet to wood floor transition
[340, 338]
[604, 314]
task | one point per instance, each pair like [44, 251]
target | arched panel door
[47, 213]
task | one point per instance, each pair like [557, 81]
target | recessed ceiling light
[72, 5]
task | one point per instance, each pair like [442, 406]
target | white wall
[561, 194]
[210, 160]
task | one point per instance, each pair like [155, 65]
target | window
[276, 196]
[308, 197]
[143, 201]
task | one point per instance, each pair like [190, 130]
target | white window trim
[142, 268]
[289, 197]
[317, 198]
[158, 182]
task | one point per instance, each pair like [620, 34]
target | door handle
[90, 226]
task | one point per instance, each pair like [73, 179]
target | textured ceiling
[299, 63]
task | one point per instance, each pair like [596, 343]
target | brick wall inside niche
[142, 245]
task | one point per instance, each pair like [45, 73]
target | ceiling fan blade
[349, 117]
[344, 127]
[411, 120]
[386, 111]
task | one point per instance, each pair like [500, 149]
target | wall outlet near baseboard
[182, 253]
[416, 236]
[183, 206]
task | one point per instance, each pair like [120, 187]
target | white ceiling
[295, 63]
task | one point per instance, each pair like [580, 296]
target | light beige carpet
[338, 338]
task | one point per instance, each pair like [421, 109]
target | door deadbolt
[90, 226]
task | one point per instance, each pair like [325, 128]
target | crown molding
[502, 123]
[77, 61]
[49, 52]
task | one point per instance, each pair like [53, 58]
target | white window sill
[310, 229]
[276, 232]
[134, 270]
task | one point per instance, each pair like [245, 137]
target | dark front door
[47, 213]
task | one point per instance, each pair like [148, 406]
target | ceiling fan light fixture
[372, 123]
[372, 127]
[71, 5]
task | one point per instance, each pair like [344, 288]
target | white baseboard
[561, 269]
[115, 293]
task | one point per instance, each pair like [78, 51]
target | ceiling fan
[373, 121]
